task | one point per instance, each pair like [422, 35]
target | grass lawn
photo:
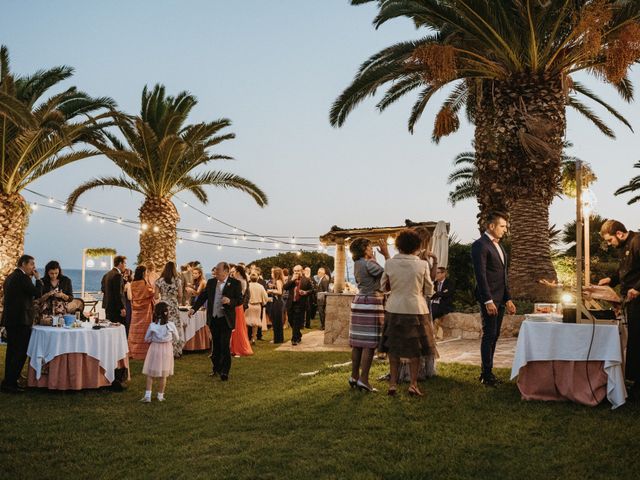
[269, 422]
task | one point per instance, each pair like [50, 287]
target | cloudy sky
[273, 68]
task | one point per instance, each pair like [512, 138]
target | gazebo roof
[336, 233]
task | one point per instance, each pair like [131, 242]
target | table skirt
[200, 341]
[72, 371]
[559, 380]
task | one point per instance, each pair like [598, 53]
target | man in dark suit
[492, 289]
[222, 294]
[299, 288]
[442, 299]
[17, 318]
[323, 281]
[112, 290]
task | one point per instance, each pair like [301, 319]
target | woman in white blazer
[407, 332]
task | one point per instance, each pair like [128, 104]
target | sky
[274, 68]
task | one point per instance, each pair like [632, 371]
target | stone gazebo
[338, 309]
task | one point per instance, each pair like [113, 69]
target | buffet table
[76, 358]
[550, 362]
[196, 332]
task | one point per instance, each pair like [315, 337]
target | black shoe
[496, 379]
[293, 344]
[11, 389]
[213, 374]
[224, 377]
[488, 381]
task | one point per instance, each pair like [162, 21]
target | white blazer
[409, 282]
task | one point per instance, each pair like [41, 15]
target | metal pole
[587, 249]
[84, 263]
[579, 229]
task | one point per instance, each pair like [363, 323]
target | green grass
[268, 422]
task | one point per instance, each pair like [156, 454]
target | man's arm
[479, 258]
[202, 297]
[290, 285]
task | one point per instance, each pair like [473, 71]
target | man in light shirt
[492, 289]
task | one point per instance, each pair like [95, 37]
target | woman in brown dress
[407, 331]
[141, 296]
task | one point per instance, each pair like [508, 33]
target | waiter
[628, 276]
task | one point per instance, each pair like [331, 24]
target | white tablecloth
[546, 341]
[193, 324]
[107, 345]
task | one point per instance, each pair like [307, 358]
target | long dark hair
[139, 273]
[52, 265]
[358, 248]
[161, 313]
[169, 272]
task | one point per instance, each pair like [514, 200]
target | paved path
[451, 351]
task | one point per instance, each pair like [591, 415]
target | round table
[196, 332]
[76, 358]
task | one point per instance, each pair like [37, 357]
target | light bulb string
[132, 224]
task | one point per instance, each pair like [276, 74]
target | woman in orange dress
[240, 346]
[141, 294]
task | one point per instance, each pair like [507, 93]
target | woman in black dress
[277, 305]
[57, 290]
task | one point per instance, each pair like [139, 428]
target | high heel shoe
[392, 391]
[352, 382]
[365, 388]
[414, 392]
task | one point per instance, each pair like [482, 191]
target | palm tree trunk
[13, 222]
[158, 241]
[530, 249]
[529, 124]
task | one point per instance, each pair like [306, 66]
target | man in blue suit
[492, 289]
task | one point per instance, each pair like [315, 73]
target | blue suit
[491, 284]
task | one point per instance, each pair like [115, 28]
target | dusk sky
[274, 68]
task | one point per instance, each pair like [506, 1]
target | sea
[93, 278]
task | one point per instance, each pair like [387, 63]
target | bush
[314, 260]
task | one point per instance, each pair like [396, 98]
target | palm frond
[101, 182]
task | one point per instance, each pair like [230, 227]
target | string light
[104, 217]
[219, 247]
[50, 200]
[156, 228]
[195, 234]
[208, 219]
[180, 240]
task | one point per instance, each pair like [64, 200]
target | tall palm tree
[466, 184]
[633, 186]
[158, 158]
[510, 64]
[37, 137]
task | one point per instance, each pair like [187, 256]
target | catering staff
[628, 276]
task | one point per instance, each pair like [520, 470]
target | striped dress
[367, 308]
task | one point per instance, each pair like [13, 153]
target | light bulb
[219, 247]
[89, 218]
[102, 220]
[235, 240]
[119, 220]
[34, 206]
[144, 227]
[180, 240]
[50, 200]
[156, 228]
[84, 211]
[389, 240]
[567, 298]
[208, 219]
[262, 239]
[277, 245]
[195, 234]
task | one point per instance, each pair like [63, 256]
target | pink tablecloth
[200, 341]
[72, 371]
[564, 380]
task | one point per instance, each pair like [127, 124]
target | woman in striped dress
[367, 310]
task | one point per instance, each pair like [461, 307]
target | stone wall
[469, 325]
[454, 325]
[338, 316]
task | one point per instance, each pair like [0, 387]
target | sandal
[414, 392]
[392, 391]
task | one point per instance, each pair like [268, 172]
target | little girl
[159, 360]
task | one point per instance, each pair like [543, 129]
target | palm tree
[37, 137]
[510, 65]
[466, 184]
[158, 159]
[632, 186]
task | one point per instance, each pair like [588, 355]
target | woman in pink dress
[141, 295]
[240, 345]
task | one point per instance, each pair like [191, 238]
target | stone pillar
[339, 266]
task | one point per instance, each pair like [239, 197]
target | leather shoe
[213, 374]
[224, 377]
[11, 389]
[488, 381]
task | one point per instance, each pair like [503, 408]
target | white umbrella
[440, 244]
